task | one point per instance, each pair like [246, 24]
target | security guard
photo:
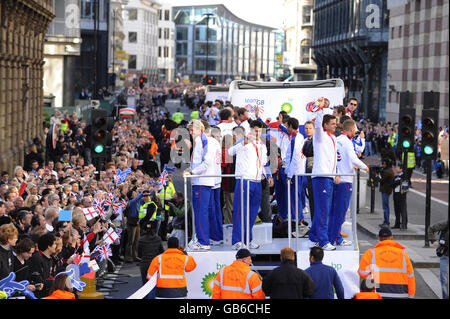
[170, 268]
[148, 211]
[166, 194]
[390, 267]
[410, 165]
[195, 115]
[237, 281]
[177, 117]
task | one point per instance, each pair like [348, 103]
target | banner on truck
[297, 102]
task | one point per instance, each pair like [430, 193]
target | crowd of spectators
[63, 177]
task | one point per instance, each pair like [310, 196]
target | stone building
[418, 54]
[23, 25]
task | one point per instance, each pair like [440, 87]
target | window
[132, 37]
[87, 10]
[307, 14]
[159, 33]
[132, 14]
[166, 52]
[166, 33]
[182, 48]
[132, 62]
[160, 14]
[166, 15]
[182, 34]
[159, 52]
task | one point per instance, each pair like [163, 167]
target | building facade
[141, 38]
[166, 44]
[211, 40]
[418, 55]
[116, 54]
[62, 45]
[23, 27]
[351, 42]
[298, 25]
[91, 66]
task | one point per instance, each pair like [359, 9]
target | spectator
[387, 176]
[24, 249]
[287, 281]
[325, 277]
[51, 214]
[442, 251]
[62, 288]
[177, 211]
[42, 262]
[150, 245]
[8, 239]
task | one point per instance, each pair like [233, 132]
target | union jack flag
[99, 205]
[119, 233]
[110, 199]
[164, 178]
[104, 252]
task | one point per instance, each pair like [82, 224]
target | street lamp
[207, 41]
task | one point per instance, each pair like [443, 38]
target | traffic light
[141, 82]
[99, 133]
[144, 77]
[430, 119]
[406, 123]
[205, 80]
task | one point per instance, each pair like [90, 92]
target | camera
[442, 249]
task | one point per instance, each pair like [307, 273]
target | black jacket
[148, 248]
[44, 266]
[288, 282]
[6, 262]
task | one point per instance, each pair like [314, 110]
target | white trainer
[346, 243]
[216, 242]
[238, 245]
[328, 247]
[198, 246]
[312, 244]
[253, 245]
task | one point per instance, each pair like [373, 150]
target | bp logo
[208, 283]
[287, 107]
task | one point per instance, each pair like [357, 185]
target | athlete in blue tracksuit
[342, 192]
[204, 156]
[251, 159]
[325, 159]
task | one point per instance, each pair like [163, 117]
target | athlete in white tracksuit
[342, 192]
[325, 161]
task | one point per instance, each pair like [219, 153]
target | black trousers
[310, 195]
[401, 214]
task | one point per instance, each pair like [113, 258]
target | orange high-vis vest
[61, 294]
[390, 267]
[172, 266]
[237, 281]
[368, 295]
[153, 150]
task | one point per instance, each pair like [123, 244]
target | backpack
[280, 228]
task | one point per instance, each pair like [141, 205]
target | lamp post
[207, 42]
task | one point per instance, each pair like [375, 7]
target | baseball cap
[242, 253]
[146, 193]
[385, 232]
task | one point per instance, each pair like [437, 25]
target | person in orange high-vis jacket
[237, 281]
[170, 268]
[62, 288]
[390, 267]
[367, 290]
[153, 151]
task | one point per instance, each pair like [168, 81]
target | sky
[264, 12]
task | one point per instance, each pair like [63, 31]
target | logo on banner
[208, 283]
[287, 107]
[251, 104]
